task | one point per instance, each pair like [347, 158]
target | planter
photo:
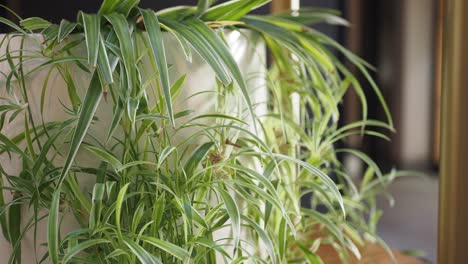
[248, 50]
[371, 253]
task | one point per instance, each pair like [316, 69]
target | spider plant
[155, 199]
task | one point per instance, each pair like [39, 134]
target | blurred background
[402, 40]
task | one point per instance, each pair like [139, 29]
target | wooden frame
[453, 205]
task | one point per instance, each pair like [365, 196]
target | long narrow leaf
[216, 54]
[127, 53]
[264, 237]
[82, 246]
[233, 10]
[197, 157]
[118, 206]
[117, 6]
[53, 228]
[108, 6]
[91, 24]
[234, 215]
[105, 156]
[170, 248]
[201, 46]
[66, 27]
[325, 178]
[158, 52]
[142, 255]
[90, 104]
[104, 65]
[34, 23]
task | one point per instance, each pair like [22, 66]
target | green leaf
[282, 239]
[132, 107]
[90, 104]
[150, 117]
[183, 113]
[182, 42]
[137, 163]
[11, 24]
[201, 46]
[65, 28]
[159, 54]
[327, 222]
[212, 245]
[177, 86]
[126, 6]
[104, 66]
[71, 87]
[325, 178]
[34, 23]
[14, 228]
[105, 156]
[158, 214]
[53, 228]
[264, 237]
[98, 195]
[215, 42]
[46, 147]
[117, 6]
[234, 215]
[91, 25]
[81, 247]
[142, 255]
[194, 160]
[232, 10]
[118, 113]
[164, 154]
[108, 6]
[3, 219]
[118, 207]
[202, 6]
[170, 248]
[121, 28]
[116, 253]
[311, 257]
[109, 188]
[10, 145]
[214, 51]
[285, 37]
[50, 33]
[220, 116]
[309, 16]
[365, 158]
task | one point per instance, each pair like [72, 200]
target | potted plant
[134, 136]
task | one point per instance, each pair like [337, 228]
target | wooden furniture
[371, 254]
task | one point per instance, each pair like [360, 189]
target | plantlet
[185, 186]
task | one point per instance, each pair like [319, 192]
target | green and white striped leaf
[66, 27]
[53, 228]
[159, 54]
[91, 25]
[170, 248]
[81, 247]
[233, 10]
[105, 156]
[88, 109]
[234, 215]
[143, 255]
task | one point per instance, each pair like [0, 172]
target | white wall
[417, 82]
